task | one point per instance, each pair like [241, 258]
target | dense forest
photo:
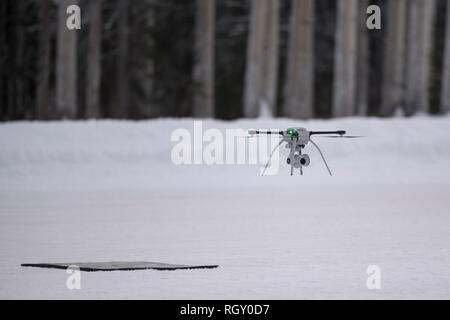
[139, 59]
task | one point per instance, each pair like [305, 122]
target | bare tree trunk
[445, 93]
[255, 47]
[420, 27]
[262, 58]
[203, 74]
[20, 61]
[43, 93]
[10, 65]
[148, 80]
[362, 68]
[66, 65]
[120, 109]
[271, 61]
[393, 92]
[145, 75]
[299, 92]
[94, 60]
[3, 45]
[12, 73]
[344, 87]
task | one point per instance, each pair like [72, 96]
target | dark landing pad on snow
[117, 266]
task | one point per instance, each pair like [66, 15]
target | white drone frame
[296, 139]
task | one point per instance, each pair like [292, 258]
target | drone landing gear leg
[270, 157]
[321, 154]
[292, 157]
[301, 167]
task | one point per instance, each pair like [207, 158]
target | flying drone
[296, 140]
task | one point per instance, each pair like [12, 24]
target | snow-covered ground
[108, 190]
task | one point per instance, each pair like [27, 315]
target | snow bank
[139, 153]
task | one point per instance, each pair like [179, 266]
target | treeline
[226, 59]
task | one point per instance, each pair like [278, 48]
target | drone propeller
[261, 132]
[348, 137]
[250, 136]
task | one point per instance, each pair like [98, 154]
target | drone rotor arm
[340, 137]
[339, 132]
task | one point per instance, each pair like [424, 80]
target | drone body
[296, 140]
